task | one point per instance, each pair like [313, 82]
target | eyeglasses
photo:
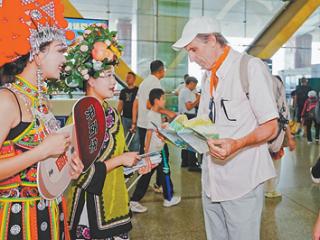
[212, 110]
[225, 110]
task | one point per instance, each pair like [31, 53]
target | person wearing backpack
[286, 140]
[308, 115]
[302, 91]
[238, 163]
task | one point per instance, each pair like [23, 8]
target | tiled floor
[289, 218]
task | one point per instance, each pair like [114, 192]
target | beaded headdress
[26, 24]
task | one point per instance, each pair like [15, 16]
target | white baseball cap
[195, 26]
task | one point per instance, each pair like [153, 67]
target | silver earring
[40, 88]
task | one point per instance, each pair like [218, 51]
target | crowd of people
[306, 113]
[237, 172]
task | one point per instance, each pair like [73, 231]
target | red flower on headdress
[101, 52]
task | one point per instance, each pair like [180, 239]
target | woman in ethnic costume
[32, 44]
[98, 200]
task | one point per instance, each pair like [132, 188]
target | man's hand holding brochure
[189, 134]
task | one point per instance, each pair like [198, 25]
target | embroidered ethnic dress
[98, 201]
[23, 213]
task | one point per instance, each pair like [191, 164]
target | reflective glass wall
[148, 28]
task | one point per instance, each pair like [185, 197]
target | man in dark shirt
[126, 99]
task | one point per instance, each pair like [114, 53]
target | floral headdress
[26, 24]
[96, 50]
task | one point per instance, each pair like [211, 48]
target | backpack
[310, 113]
[280, 96]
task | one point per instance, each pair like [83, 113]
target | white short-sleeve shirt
[145, 88]
[156, 144]
[186, 95]
[236, 116]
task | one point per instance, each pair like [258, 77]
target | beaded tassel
[40, 88]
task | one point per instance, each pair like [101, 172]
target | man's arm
[304, 109]
[191, 105]
[149, 165]
[168, 113]
[120, 106]
[224, 148]
[148, 140]
[149, 106]
[134, 115]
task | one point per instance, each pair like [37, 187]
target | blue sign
[79, 24]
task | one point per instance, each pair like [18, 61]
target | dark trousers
[188, 158]
[299, 109]
[162, 178]
[316, 169]
[308, 123]
[165, 174]
[142, 138]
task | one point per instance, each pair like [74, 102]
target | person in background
[308, 116]
[301, 96]
[188, 101]
[125, 106]
[181, 85]
[141, 107]
[154, 144]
